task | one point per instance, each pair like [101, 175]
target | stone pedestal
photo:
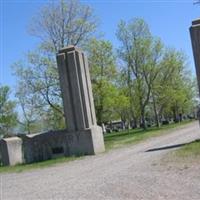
[195, 38]
[78, 102]
[11, 151]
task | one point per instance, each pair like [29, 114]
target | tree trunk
[100, 115]
[134, 122]
[175, 115]
[28, 127]
[143, 119]
[155, 112]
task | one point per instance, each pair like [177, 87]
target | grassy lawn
[191, 150]
[38, 165]
[121, 139]
[112, 141]
[186, 156]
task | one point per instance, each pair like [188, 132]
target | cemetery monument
[82, 135]
[195, 39]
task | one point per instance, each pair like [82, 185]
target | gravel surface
[126, 173]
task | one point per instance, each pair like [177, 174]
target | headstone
[195, 38]
[11, 151]
[78, 101]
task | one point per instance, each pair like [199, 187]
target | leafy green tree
[8, 116]
[30, 108]
[173, 91]
[103, 71]
[126, 106]
[53, 120]
[141, 54]
[122, 106]
[57, 24]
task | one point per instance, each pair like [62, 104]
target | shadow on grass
[172, 146]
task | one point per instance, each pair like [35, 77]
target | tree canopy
[140, 82]
[8, 115]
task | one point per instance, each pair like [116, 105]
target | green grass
[43, 164]
[185, 156]
[191, 150]
[121, 139]
[112, 141]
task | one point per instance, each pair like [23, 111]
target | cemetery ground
[163, 167]
[112, 141]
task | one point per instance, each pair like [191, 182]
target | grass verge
[191, 150]
[43, 164]
[184, 157]
[121, 139]
[112, 141]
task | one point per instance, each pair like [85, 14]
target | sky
[168, 19]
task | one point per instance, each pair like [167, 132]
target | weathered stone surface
[82, 135]
[48, 145]
[76, 89]
[78, 102]
[11, 151]
[38, 147]
[195, 38]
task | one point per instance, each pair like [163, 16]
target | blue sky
[167, 19]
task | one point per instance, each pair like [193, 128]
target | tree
[30, 108]
[127, 102]
[173, 90]
[141, 53]
[57, 25]
[8, 117]
[103, 71]
[38, 90]
[61, 24]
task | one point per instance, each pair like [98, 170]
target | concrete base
[87, 142]
[11, 151]
[44, 146]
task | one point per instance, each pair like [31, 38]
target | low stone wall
[44, 146]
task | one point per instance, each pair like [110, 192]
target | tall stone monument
[82, 135]
[78, 100]
[195, 38]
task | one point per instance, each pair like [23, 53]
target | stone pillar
[11, 151]
[195, 38]
[78, 99]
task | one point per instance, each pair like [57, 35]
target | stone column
[78, 99]
[195, 38]
[11, 151]
[76, 89]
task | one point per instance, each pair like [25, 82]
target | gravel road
[126, 173]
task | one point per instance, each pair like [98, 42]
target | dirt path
[128, 173]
